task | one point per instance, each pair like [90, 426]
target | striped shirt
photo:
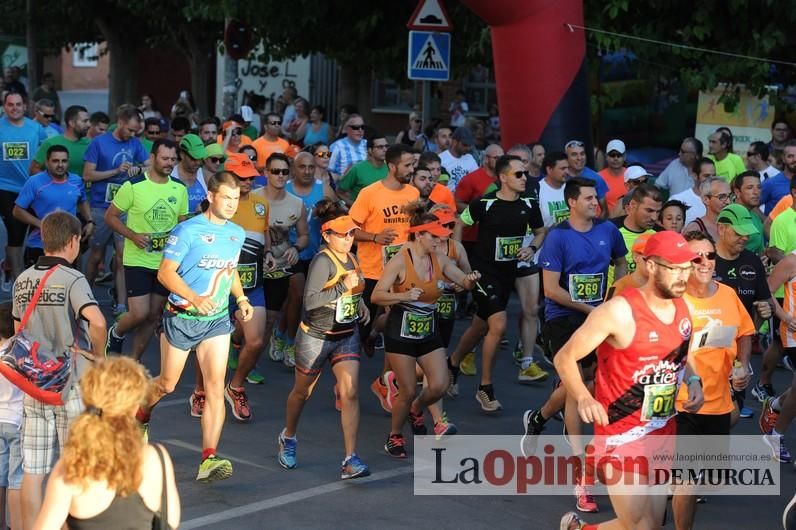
[345, 153]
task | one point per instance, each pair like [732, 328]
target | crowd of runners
[232, 247]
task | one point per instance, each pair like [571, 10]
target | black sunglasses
[284, 172]
[615, 154]
[708, 255]
[357, 127]
[156, 131]
[274, 123]
[520, 174]
[215, 159]
[48, 116]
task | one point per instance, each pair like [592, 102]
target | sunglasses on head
[283, 172]
[324, 154]
[356, 127]
[215, 159]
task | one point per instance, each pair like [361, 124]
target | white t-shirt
[767, 173]
[457, 167]
[552, 203]
[696, 206]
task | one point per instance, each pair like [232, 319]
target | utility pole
[30, 42]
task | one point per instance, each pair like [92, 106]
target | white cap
[246, 113]
[635, 172]
[615, 145]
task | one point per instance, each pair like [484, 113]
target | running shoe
[786, 360]
[391, 383]
[453, 386]
[519, 353]
[276, 348]
[504, 342]
[768, 417]
[197, 402]
[353, 467]
[255, 378]
[338, 406]
[571, 521]
[214, 468]
[239, 403]
[585, 501]
[746, 412]
[778, 448]
[232, 360]
[467, 366]
[381, 392]
[104, 277]
[113, 344]
[534, 425]
[486, 398]
[532, 373]
[418, 423]
[289, 352]
[395, 446]
[763, 392]
[444, 428]
[287, 451]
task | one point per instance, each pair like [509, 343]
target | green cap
[739, 218]
[193, 145]
[215, 150]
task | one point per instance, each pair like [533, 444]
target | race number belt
[388, 251]
[417, 326]
[111, 190]
[658, 404]
[15, 151]
[248, 275]
[446, 305]
[586, 288]
[346, 308]
[157, 242]
[506, 248]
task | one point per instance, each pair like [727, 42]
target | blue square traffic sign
[429, 56]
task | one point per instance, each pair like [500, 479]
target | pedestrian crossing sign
[429, 56]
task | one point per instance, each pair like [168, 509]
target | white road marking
[197, 449]
[248, 509]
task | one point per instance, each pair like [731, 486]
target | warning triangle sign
[430, 15]
[430, 58]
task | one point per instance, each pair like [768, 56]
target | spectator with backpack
[52, 315]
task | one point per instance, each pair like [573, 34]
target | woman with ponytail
[107, 476]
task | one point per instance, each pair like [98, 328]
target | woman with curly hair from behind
[107, 476]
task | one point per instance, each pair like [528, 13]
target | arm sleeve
[321, 271]
[473, 213]
[41, 153]
[92, 152]
[26, 195]
[123, 199]
[80, 295]
[551, 255]
[762, 292]
[361, 208]
[177, 244]
[347, 182]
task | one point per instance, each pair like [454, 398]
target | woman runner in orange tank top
[411, 283]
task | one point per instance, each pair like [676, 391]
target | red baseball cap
[240, 164]
[670, 246]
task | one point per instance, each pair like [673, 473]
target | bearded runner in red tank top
[641, 339]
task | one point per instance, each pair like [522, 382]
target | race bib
[586, 288]
[658, 405]
[417, 326]
[157, 242]
[277, 274]
[248, 275]
[388, 251]
[506, 248]
[560, 215]
[15, 151]
[111, 190]
[346, 310]
[446, 305]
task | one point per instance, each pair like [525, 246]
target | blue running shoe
[746, 412]
[287, 451]
[353, 467]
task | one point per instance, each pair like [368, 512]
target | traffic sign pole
[429, 50]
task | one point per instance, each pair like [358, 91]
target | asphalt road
[261, 494]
